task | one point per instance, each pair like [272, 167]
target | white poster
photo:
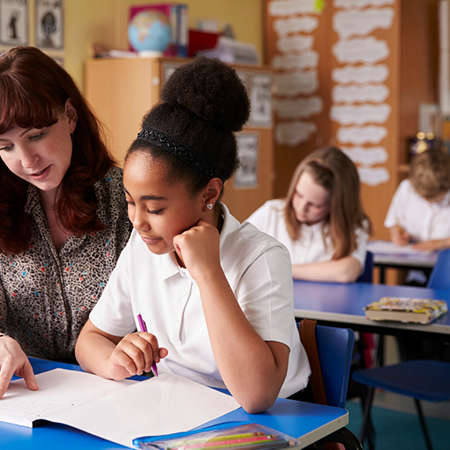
[260, 100]
[14, 22]
[246, 175]
[49, 24]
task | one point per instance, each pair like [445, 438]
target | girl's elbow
[254, 404]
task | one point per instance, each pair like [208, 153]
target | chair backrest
[335, 349]
[367, 273]
[440, 275]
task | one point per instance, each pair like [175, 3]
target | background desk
[307, 421]
[342, 304]
[383, 260]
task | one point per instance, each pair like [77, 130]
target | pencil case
[250, 436]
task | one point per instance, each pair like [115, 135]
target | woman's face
[40, 156]
[158, 209]
[311, 201]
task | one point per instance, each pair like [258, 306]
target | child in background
[419, 214]
[216, 295]
[420, 209]
[321, 220]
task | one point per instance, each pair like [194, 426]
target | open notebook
[117, 411]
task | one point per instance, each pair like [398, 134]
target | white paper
[362, 22]
[361, 135]
[121, 412]
[294, 133]
[300, 108]
[295, 43]
[388, 247]
[365, 50]
[304, 24]
[360, 93]
[58, 389]
[361, 74]
[367, 156]
[301, 82]
[290, 7]
[360, 114]
[303, 60]
[361, 3]
[373, 176]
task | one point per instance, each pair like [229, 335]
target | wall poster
[14, 22]
[49, 24]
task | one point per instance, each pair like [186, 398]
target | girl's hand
[134, 355]
[198, 249]
[400, 236]
[13, 361]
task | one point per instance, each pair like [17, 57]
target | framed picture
[246, 175]
[49, 24]
[14, 22]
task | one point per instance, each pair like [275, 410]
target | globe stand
[149, 54]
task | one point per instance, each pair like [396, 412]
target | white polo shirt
[311, 246]
[258, 270]
[422, 219]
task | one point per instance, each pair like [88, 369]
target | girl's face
[40, 156]
[158, 210]
[311, 202]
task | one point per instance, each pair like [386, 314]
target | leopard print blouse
[46, 294]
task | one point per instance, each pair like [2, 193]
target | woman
[64, 219]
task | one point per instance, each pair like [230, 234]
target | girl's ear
[71, 114]
[212, 192]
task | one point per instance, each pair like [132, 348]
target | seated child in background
[420, 209]
[321, 220]
[216, 295]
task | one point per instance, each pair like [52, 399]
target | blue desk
[343, 304]
[384, 259]
[307, 421]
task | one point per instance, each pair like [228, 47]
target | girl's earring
[210, 206]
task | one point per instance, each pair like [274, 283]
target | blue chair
[367, 273]
[330, 356]
[419, 379]
[423, 379]
[440, 275]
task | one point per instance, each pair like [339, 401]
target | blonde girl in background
[321, 220]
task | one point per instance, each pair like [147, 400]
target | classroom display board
[122, 90]
[342, 77]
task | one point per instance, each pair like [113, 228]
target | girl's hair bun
[211, 90]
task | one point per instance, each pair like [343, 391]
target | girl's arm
[433, 244]
[399, 236]
[344, 270]
[252, 369]
[116, 357]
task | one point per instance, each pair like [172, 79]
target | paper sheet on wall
[116, 411]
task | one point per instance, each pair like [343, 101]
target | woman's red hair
[34, 89]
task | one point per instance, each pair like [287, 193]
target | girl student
[63, 212]
[321, 220]
[216, 295]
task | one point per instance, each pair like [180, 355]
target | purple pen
[143, 328]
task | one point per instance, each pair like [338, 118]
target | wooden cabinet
[121, 91]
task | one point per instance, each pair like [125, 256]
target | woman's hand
[13, 361]
[198, 249]
[134, 355]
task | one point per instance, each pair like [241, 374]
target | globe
[149, 31]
